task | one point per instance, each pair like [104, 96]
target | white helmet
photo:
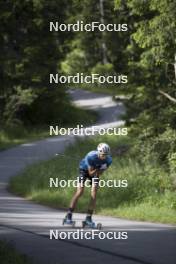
[103, 148]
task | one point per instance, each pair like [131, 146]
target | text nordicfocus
[88, 27]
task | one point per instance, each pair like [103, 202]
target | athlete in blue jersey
[91, 167]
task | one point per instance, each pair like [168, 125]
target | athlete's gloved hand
[103, 167]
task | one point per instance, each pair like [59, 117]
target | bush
[8, 254]
[104, 70]
[74, 62]
[14, 130]
[17, 103]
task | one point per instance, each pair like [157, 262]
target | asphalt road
[29, 225]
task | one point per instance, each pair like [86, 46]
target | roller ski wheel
[99, 226]
[89, 224]
[68, 222]
[83, 224]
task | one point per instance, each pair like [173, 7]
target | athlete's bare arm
[93, 171]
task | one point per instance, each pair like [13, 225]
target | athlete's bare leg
[92, 202]
[76, 196]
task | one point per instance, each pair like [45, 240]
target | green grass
[9, 255]
[12, 135]
[141, 200]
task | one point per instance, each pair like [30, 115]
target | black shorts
[84, 175]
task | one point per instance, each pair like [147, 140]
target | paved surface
[28, 225]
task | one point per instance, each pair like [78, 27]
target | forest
[144, 50]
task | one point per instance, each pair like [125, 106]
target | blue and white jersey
[92, 160]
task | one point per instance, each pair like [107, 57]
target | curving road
[28, 224]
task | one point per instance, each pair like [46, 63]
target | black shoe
[89, 218]
[88, 222]
[69, 216]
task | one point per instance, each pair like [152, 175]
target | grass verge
[9, 255]
[141, 200]
[12, 135]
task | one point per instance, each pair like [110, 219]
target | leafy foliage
[29, 53]
[152, 47]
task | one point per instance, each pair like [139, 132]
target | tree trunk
[103, 43]
[175, 66]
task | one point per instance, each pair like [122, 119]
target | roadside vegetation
[14, 134]
[150, 194]
[9, 255]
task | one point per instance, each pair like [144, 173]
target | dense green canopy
[30, 52]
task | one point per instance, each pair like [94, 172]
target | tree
[153, 46]
[29, 53]
[97, 47]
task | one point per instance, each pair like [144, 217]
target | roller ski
[68, 220]
[89, 223]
